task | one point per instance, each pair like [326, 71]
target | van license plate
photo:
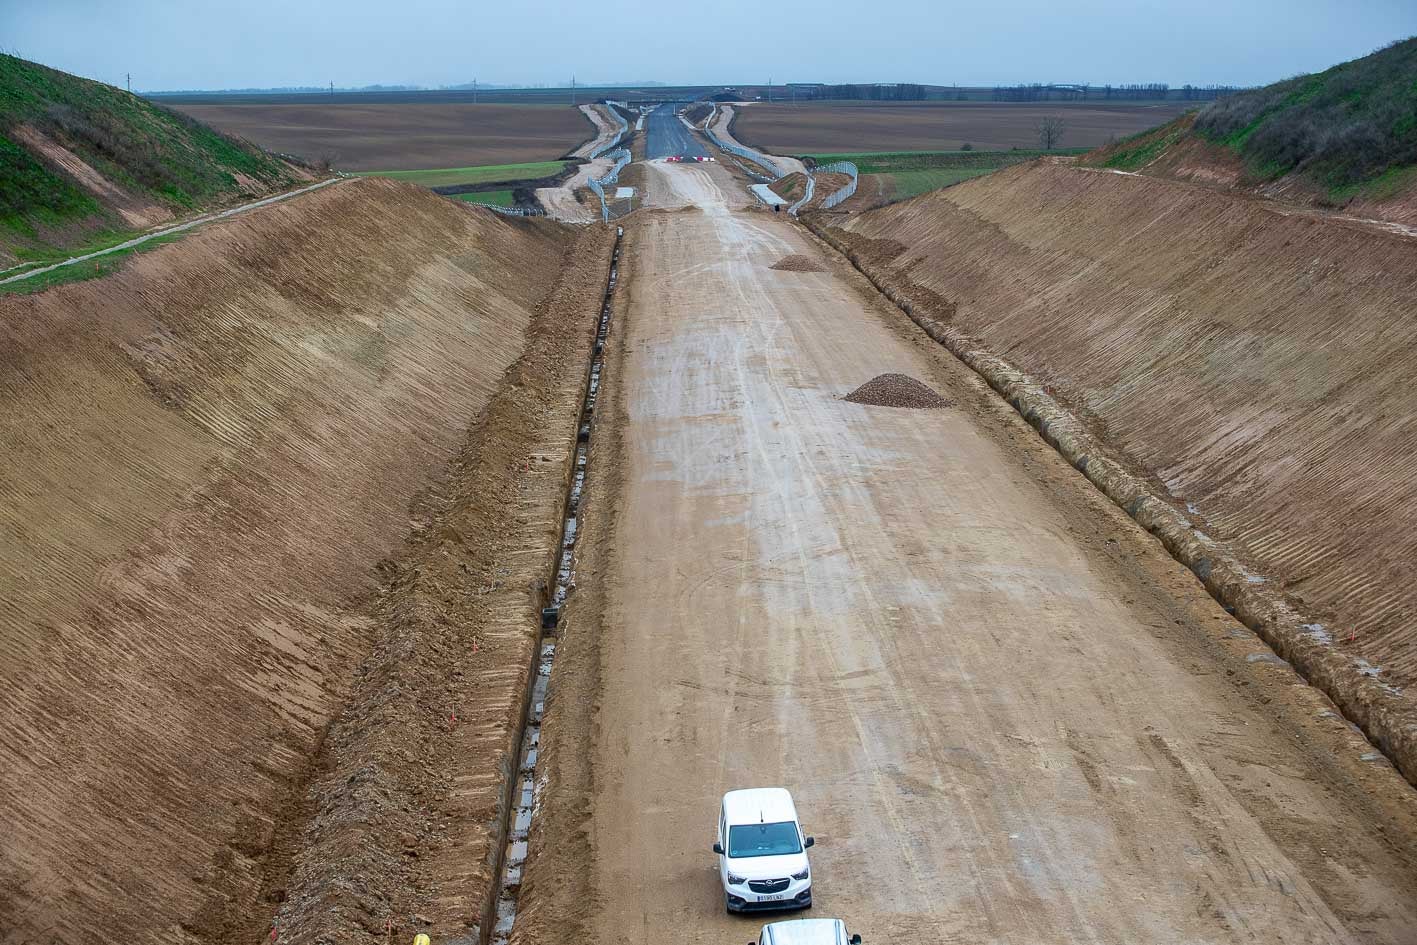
[776, 898]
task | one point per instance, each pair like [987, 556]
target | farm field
[908, 173]
[485, 174]
[938, 126]
[404, 136]
[495, 198]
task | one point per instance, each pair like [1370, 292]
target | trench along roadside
[559, 898]
[409, 806]
[523, 788]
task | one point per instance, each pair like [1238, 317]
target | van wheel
[727, 906]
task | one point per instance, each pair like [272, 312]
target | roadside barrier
[756, 157]
[515, 211]
[840, 167]
[624, 128]
[806, 195]
[598, 184]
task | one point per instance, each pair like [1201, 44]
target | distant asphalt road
[666, 136]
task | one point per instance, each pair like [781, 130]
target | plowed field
[408, 136]
[936, 126]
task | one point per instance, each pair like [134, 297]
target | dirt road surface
[724, 117]
[606, 127]
[1005, 714]
[560, 201]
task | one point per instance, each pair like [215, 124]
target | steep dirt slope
[1257, 363]
[205, 458]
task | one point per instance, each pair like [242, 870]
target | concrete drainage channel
[523, 786]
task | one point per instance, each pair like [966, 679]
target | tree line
[1139, 91]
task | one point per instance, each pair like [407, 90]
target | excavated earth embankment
[1253, 366]
[249, 484]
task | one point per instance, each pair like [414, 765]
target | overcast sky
[204, 44]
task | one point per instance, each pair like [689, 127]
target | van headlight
[802, 875]
[736, 880]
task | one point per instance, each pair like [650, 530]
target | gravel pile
[896, 390]
[795, 263]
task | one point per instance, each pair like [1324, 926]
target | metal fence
[514, 211]
[624, 128]
[741, 151]
[598, 184]
[806, 195]
[840, 167]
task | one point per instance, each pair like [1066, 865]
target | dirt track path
[1006, 716]
[606, 129]
[561, 203]
[724, 117]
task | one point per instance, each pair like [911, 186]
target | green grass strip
[484, 174]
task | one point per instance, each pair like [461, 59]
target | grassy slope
[148, 151]
[485, 174]
[1350, 130]
[79, 272]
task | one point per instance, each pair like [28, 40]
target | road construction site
[303, 608]
[1005, 712]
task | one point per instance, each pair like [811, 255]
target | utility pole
[130, 83]
[332, 88]
[573, 90]
[474, 91]
[769, 90]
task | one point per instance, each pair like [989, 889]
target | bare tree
[1050, 132]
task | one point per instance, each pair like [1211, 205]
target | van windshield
[763, 839]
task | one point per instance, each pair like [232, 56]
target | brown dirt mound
[896, 390]
[796, 263]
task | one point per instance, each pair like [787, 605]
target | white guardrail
[840, 167]
[513, 211]
[749, 153]
[837, 167]
[806, 195]
[624, 128]
[598, 184]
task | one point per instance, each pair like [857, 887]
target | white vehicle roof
[759, 806]
[805, 932]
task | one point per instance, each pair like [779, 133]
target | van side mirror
[856, 939]
[808, 842]
[718, 848]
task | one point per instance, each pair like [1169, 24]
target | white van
[806, 932]
[762, 852]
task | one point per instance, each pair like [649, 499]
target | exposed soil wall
[404, 817]
[206, 456]
[1248, 365]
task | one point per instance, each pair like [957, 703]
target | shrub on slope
[148, 152]
[1348, 132]
[1343, 127]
